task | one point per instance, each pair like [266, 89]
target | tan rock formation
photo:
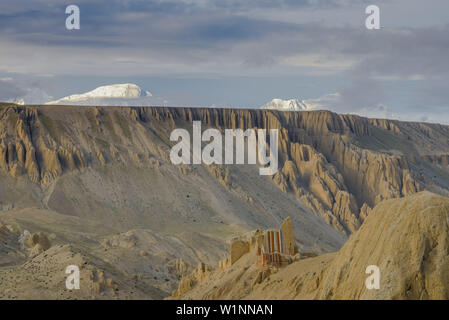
[39, 239]
[407, 239]
[289, 238]
[196, 277]
[238, 249]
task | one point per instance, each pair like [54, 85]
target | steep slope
[408, 239]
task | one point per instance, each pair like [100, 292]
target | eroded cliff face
[28, 148]
[339, 166]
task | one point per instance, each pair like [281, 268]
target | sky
[234, 53]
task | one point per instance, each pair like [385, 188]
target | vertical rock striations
[339, 166]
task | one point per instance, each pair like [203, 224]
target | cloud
[360, 93]
[197, 36]
[25, 89]
[326, 101]
[10, 90]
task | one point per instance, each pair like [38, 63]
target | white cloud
[319, 61]
[325, 101]
[23, 90]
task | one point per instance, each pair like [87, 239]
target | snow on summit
[114, 91]
[287, 105]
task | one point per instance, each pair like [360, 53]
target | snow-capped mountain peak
[114, 91]
[286, 105]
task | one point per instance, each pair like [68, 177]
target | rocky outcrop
[196, 277]
[39, 239]
[34, 244]
[100, 282]
[238, 249]
[180, 267]
[259, 246]
[407, 239]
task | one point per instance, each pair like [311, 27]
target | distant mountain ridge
[287, 105]
[114, 91]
